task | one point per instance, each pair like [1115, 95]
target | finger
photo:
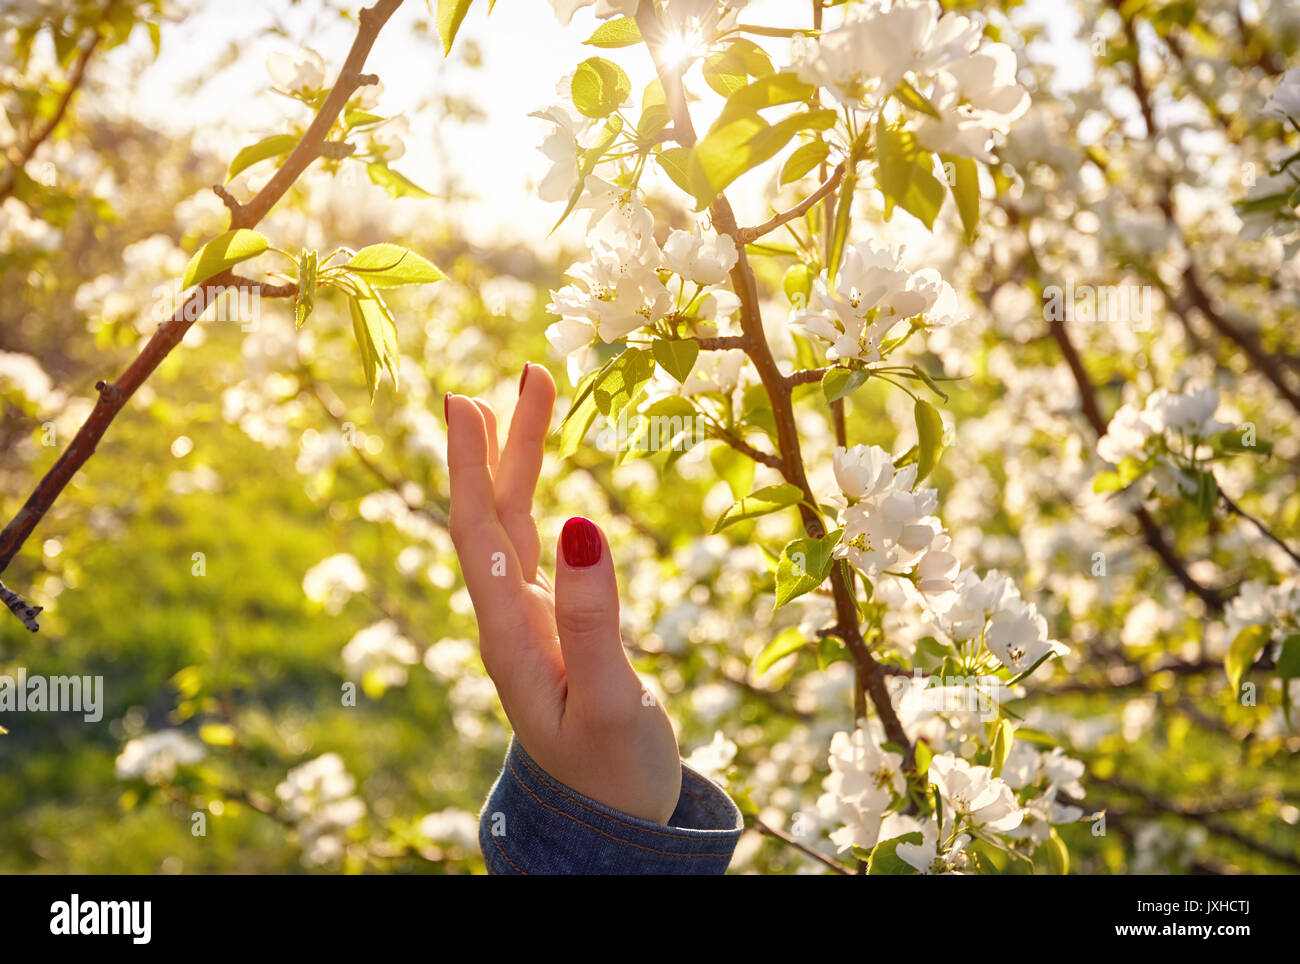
[490, 422]
[521, 463]
[586, 616]
[487, 557]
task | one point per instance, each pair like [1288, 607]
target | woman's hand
[554, 653]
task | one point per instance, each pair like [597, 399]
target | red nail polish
[523, 378]
[580, 543]
[446, 414]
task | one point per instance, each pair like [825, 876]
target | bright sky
[525, 53]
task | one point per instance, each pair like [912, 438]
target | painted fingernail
[523, 378]
[580, 543]
[446, 408]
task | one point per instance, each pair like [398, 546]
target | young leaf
[884, 856]
[1002, 739]
[964, 183]
[804, 565]
[906, 174]
[803, 159]
[839, 382]
[771, 498]
[390, 265]
[599, 87]
[306, 298]
[267, 147]
[788, 641]
[222, 253]
[621, 32]
[451, 13]
[929, 434]
[397, 185]
[677, 357]
[1241, 654]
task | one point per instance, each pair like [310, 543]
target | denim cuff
[534, 824]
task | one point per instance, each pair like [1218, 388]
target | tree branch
[169, 334]
[746, 235]
[760, 353]
[42, 133]
[804, 849]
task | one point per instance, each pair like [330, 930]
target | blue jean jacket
[534, 824]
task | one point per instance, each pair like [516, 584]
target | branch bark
[791, 466]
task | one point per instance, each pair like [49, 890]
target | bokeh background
[319, 514]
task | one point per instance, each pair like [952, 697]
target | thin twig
[746, 235]
[804, 849]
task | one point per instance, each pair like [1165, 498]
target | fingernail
[446, 413]
[580, 543]
[523, 378]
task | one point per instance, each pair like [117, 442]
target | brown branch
[804, 849]
[42, 133]
[744, 448]
[746, 235]
[1247, 340]
[20, 607]
[760, 353]
[1263, 529]
[723, 343]
[169, 334]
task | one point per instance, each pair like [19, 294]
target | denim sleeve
[533, 824]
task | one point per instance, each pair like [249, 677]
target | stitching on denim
[501, 850]
[623, 840]
[700, 801]
[560, 789]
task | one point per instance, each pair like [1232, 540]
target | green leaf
[621, 32]
[1107, 482]
[771, 498]
[770, 91]
[372, 319]
[803, 159]
[676, 163]
[839, 382]
[654, 111]
[798, 282]
[884, 858]
[599, 87]
[267, 147]
[964, 183]
[1003, 737]
[451, 13]
[929, 434]
[621, 382]
[222, 253]
[804, 565]
[739, 144]
[391, 265]
[787, 642]
[397, 185]
[906, 174]
[307, 276]
[677, 357]
[1058, 855]
[914, 99]
[1241, 654]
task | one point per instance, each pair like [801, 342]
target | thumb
[586, 614]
